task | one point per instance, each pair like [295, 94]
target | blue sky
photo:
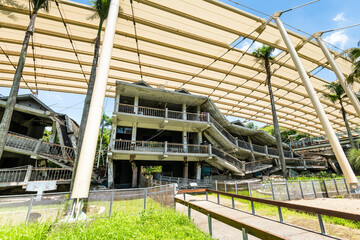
[320, 16]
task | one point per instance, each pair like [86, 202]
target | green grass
[161, 224]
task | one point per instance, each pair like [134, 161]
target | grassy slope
[163, 224]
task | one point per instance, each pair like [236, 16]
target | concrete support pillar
[198, 112]
[199, 138]
[53, 133]
[335, 144]
[349, 92]
[184, 111]
[198, 170]
[133, 132]
[184, 140]
[136, 104]
[110, 173]
[117, 102]
[113, 134]
[186, 168]
[134, 182]
[252, 149]
[87, 155]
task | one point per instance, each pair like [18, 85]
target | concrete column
[113, 134]
[184, 140]
[198, 170]
[88, 149]
[53, 133]
[134, 182]
[117, 101]
[184, 111]
[199, 138]
[335, 144]
[349, 92]
[110, 173]
[133, 132]
[186, 168]
[198, 112]
[136, 104]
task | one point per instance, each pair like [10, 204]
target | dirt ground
[338, 204]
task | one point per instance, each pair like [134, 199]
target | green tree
[103, 139]
[354, 55]
[102, 10]
[11, 101]
[264, 55]
[354, 158]
[252, 125]
[337, 93]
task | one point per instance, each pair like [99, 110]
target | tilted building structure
[186, 134]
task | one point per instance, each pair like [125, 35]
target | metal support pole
[216, 185]
[347, 189]
[210, 225]
[287, 190]
[244, 234]
[353, 99]
[29, 209]
[252, 203]
[225, 186]
[111, 203]
[335, 144]
[218, 198]
[312, 183]
[281, 219]
[207, 196]
[326, 191]
[189, 212]
[301, 190]
[236, 188]
[233, 202]
[184, 196]
[272, 190]
[87, 153]
[145, 197]
[336, 187]
[321, 223]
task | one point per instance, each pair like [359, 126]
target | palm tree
[264, 54]
[11, 101]
[354, 55]
[102, 10]
[337, 93]
[106, 122]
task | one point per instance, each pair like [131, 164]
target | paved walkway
[223, 231]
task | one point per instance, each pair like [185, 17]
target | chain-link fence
[53, 207]
[285, 190]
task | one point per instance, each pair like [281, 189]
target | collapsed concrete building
[27, 156]
[188, 136]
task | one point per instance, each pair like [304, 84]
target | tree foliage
[354, 55]
[252, 126]
[354, 158]
[286, 134]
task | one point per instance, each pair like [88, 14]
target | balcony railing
[22, 175]
[171, 148]
[204, 117]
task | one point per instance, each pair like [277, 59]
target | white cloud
[276, 52]
[339, 17]
[337, 38]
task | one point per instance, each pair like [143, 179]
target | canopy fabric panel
[181, 44]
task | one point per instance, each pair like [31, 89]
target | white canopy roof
[177, 41]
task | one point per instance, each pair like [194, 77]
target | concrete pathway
[223, 231]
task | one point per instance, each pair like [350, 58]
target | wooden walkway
[224, 231]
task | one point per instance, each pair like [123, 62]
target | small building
[25, 148]
[184, 133]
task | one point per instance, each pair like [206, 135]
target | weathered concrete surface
[223, 231]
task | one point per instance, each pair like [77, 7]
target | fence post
[279, 208]
[244, 234]
[29, 209]
[189, 212]
[336, 187]
[210, 225]
[111, 203]
[218, 198]
[184, 196]
[347, 189]
[145, 197]
[233, 202]
[207, 196]
[321, 223]
[236, 188]
[301, 190]
[326, 191]
[312, 182]
[287, 189]
[252, 203]
[272, 190]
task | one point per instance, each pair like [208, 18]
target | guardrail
[39, 147]
[204, 117]
[176, 148]
[245, 228]
[22, 175]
